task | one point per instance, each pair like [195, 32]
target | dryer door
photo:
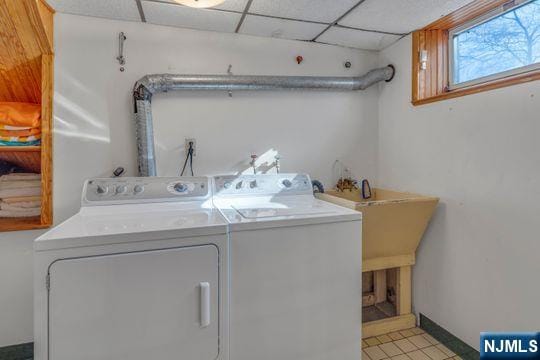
[138, 306]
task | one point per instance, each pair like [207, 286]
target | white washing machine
[139, 273]
[295, 270]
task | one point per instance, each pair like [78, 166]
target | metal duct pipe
[152, 84]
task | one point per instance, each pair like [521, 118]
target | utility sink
[393, 224]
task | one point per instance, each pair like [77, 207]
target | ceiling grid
[362, 24]
[246, 9]
[141, 11]
[338, 19]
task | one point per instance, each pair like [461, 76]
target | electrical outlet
[191, 140]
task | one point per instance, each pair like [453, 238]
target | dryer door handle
[205, 303]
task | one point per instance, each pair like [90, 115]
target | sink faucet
[277, 158]
[252, 163]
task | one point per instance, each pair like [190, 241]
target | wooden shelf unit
[20, 149]
[26, 75]
[26, 223]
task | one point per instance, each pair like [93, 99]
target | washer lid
[266, 211]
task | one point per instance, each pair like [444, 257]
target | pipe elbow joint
[393, 73]
[142, 89]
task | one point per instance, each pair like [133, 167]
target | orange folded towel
[18, 133]
[20, 114]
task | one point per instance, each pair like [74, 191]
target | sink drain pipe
[149, 85]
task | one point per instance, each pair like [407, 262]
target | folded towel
[18, 192]
[15, 128]
[19, 206]
[23, 132]
[22, 139]
[18, 143]
[20, 176]
[19, 199]
[20, 114]
[20, 213]
[19, 184]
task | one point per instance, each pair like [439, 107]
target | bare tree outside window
[506, 42]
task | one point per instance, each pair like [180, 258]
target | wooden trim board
[47, 62]
[465, 14]
[388, 262]
[379, 282]
[385, 326]
[404, 291]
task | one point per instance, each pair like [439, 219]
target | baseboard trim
[449, 340]
[26, 351]
[17, 352]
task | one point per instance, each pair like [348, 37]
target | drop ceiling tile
[278, 28]
[365, 40]
[401, 16]
[233, 5]
[230, 5]
[326, 11]
[117, 9]
[186, 17]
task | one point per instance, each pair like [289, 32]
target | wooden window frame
[432, 83]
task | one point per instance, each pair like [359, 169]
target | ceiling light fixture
[200, 3]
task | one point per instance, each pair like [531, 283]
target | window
[485, 45]
[502, 43]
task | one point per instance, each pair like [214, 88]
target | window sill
[491, 85]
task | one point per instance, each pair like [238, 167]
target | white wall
[477, 267]
[94, 133]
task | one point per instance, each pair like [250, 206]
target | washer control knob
[253, 184]
[137, 189]
[101, 190]
[180, 187]
[286, 183]
[120, 189]
[227, 185]
[239, 185]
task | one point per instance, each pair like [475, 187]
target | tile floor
[410, 344]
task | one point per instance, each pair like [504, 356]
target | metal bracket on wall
[229, 72]
[121, 59]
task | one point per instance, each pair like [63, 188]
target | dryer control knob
[137, 189]
[180, 188]
[120, 189]
[253, 184]
[287, 183]
[239, 185]
[101, 190]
